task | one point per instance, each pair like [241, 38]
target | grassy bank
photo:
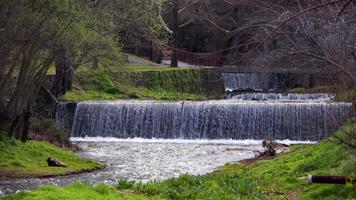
[281, 178]
[145, 82]
[28, 159]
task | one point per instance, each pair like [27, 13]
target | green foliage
[124, 184]
[28, 159]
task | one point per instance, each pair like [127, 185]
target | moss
[347, 95]
[28, 159]
[144, 82]
[142, 68]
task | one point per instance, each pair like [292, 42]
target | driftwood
[52, 162]
[270, 146]
[330, 179]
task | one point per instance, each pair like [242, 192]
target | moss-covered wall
[205, 81]
[160, 83]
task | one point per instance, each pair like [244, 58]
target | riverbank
[28, 159]
[281, 177]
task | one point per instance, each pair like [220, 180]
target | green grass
[77, 191]
[28, 159]
[142, 82]
[144, 68]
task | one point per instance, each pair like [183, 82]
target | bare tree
[325, 37]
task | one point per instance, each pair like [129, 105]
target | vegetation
[144, 82]
[19, 159]
[36, 35]
[283, 177]
[348, 95]
[78, 191]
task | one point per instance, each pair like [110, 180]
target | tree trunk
[63, 77]
[4, 120]
[12, 127]
[174, 60]
[25, 126]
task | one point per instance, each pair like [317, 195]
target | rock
[52, 162]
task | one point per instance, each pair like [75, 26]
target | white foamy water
[286, 97]
[145, 159]
[201, 141]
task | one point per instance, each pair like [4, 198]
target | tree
[227, 25]
[32, 31]
[323, 39]
[35, 34]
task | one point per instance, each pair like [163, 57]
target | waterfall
[222, 119]
[280, 96]
[255, 81]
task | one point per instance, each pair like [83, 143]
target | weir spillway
[287, 97]
[256, 81]
[276, 81]
[220, 119]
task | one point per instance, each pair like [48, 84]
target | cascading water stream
[281, 96]
[255, 81]
[224, 119]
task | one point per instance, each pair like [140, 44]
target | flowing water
[144, 160]
[223, 119]
[255, 81]
[287, 96]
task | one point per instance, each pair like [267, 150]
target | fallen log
[52, 162]
[331, 179]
